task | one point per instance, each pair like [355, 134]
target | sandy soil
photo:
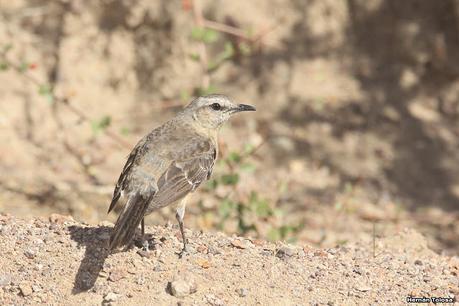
[65, 263]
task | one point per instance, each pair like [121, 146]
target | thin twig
[224, 28]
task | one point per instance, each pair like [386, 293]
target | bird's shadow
[95, 241]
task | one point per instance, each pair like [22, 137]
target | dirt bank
[65, 262]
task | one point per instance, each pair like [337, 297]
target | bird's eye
[216, 106]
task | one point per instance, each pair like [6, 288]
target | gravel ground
[61, 262]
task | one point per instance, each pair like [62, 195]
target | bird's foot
[183, 252]
[145, 243]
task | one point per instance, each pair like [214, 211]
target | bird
[168, 164]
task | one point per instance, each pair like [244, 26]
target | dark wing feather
[121, 180]
[183, 177]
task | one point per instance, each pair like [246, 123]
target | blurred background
[355, 137]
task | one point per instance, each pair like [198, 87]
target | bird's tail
[128, 221]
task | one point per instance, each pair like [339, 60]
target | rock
[5, 280]
[203, 263]
[202, 249]
[36, 288]
[242, 292]
[110, 297]
[332, 251]
[182, 288]
[106, 223]
[418, 262]
[258, 242]
[57, 218]
[213, 250]
[146, 254]
[240, 244]
[158, 268]
[363, 288]
[25, 288]
[286, 251]
[214, 301]
[30, 254]
[116, 275]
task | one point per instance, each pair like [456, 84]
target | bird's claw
[145, 245]
[183, 252]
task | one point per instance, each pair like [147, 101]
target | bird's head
[212, 111]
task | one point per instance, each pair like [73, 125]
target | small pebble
[26, 289]
[110, 297]
[57, 218]
[182, 288]
[242, 292]
[116, 275]
[5, 280]
[214, 301]
[30, 254]
[146, 254]
[285, 251]
[240, 244]
[36, 288]
[213, 250]
[363, 288]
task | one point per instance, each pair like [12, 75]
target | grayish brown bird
[169, 163]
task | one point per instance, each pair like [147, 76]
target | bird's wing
[127, 169]
[184, 176]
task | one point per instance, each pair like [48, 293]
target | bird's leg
[145, 243]
[180, 213]
[142, 226]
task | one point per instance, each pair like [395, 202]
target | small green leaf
[248, 148]
[185, 95]
[7, 48]
[210, 36]
[125, 131]
[234, 157]
[3, 66]
[230, 179]
[195, 57]
[212, 65]
[205, 35]
[23, 67]
[274, 234]
[226, 208]
[228, 51]
[101, 124]
[245, 48]
[250, 32]
[46, 91]
[211, 184]
[248, 167]
[260, 206]
[197, 33]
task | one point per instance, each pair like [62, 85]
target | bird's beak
[244, 108]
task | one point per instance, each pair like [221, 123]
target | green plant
[101, 124]
[253, 214]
